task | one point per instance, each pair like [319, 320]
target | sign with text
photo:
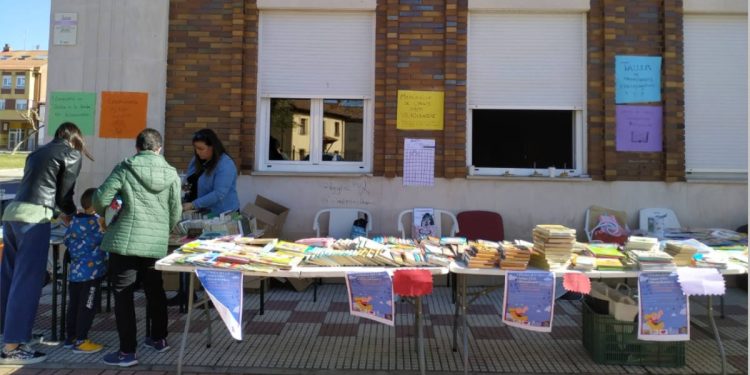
[637, 79]
[76, 107]
[123, 114]
[663, 310]
[65, 29]
[225, 290]
[371, 296]
[529, 300]
[639, 128]
[420, 110]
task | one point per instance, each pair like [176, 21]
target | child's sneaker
[121, 359]
[159, 345]
[69, 343]
[87, 347]
[22, 355]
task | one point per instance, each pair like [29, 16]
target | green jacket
[151, 207]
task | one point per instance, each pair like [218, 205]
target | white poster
[419, 162]
[225, 290]
[65, 29]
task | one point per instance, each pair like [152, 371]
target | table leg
[262, 296]
[420, 336]
[64, 296]
[717, 336]
[464, 329]
[55, 260]
[457, 304]
[207, 316]
[187, 325]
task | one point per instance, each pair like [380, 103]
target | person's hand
[102, 224]
[65, 219]
[187, 206]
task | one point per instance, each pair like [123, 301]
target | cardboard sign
[420, 110]
[76, 107]
[123, 114]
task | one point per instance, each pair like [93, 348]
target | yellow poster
[420, 110]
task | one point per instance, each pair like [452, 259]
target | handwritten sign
[65, 29]
[637, 79]
[76, 107]
[420, 110]
[638, 128]
[123, 114]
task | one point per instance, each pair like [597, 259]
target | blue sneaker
[120, 359]
[69, 343]
[160, 346]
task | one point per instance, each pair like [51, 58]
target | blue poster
[371, 296]
[225, 290]
[529, 300]
[663, 311]
[637, 79]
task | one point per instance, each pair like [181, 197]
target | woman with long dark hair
[217, 182]
[49, 179]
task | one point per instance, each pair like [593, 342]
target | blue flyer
[225, 290]
[371, 296]
[663, 311]
[637, 79]
[529, 301]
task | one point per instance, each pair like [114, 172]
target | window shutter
[316, 54]
[715, 93]
[526, 60]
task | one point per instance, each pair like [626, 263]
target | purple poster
[639, 128]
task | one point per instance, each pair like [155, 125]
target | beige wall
[522, 203]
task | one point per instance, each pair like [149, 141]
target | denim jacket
[217, 190]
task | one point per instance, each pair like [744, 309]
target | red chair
[480, 225]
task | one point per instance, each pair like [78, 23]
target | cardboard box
[269, 215]
[300, 284]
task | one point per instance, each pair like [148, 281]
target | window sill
[309, 174]
[529, 178]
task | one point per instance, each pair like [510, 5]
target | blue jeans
[22, 269]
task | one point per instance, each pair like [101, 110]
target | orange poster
[123, 114]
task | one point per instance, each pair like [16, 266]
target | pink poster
[639, 128]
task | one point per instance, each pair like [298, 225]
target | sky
[24, 24]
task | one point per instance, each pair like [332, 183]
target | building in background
[23, 88]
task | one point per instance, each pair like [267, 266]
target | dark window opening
[503, 138]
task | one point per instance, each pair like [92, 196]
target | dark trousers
[82, 308]
[22, 270]
[123, 272]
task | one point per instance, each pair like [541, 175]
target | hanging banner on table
[637, 79]
[76, 107]
[371, 296]
[638, 128]
[701, 281]
[577, 282]
[529, 300]
[663, 311]
[225, 290]
[420, 110]
[419, 162]
[123, 114]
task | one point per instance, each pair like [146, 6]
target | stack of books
[642, 243]
[608, 256]
[582, 262]
[481, 255]
[648, 260]
[514, 257]
[553, 245]
[711, 260]
[682, 254]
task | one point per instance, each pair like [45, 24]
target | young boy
[88, 266]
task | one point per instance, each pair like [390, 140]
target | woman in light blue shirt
[217, 184]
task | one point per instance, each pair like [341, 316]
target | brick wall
[420, 45]
[647, 28]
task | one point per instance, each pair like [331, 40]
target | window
[22, 104]
[2, 104]
[716, 112]
[302, 126]
[525, 115]
[326, 91]
[7, 79]
[21, 82]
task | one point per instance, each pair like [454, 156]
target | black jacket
[49, 177]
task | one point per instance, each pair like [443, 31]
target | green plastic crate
[613, 342]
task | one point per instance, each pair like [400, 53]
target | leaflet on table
[663, 311]
[371, 296]
[529, 300]
[225, 290]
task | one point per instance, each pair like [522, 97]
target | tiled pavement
[299, 336]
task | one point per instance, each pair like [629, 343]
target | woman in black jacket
[48, 182]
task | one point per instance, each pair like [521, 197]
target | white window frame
[21, 79]
[2, 104]
[315, 131]
[22, 104]
[580, 143]
[7, 81]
